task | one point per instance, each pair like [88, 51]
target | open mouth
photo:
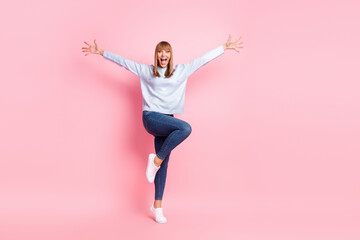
[163, 61]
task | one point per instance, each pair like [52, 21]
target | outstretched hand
[94, 49]
[233, 44]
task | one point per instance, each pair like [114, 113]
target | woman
[163, 90]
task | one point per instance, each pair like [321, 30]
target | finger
[87, 43]
[95, 42]
[234, 48]
[229, 40]
[238, 39]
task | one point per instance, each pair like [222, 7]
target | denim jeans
[169, 132]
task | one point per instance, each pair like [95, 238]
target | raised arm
[194, 65]
[132, 66]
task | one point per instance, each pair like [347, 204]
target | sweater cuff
[104, 53]
[221, 48]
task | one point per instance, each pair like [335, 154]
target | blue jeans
[169, 132]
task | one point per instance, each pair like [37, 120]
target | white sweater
[160, 94]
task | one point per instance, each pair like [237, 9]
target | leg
[169, 132]
[175, 130]
[160, 177]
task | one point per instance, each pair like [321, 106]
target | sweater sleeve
[132, 66]
[194, 65]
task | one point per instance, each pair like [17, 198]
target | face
[163, 57]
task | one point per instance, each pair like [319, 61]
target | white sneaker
[158, 214]
[151, 169]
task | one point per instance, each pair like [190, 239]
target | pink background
[274, 152]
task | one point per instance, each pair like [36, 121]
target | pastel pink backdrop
[274, 152]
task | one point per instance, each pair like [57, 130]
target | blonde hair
[163, 45]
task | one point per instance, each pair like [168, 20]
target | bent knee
[187, 129]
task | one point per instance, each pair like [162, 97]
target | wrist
[224, 46]
[101, 52]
